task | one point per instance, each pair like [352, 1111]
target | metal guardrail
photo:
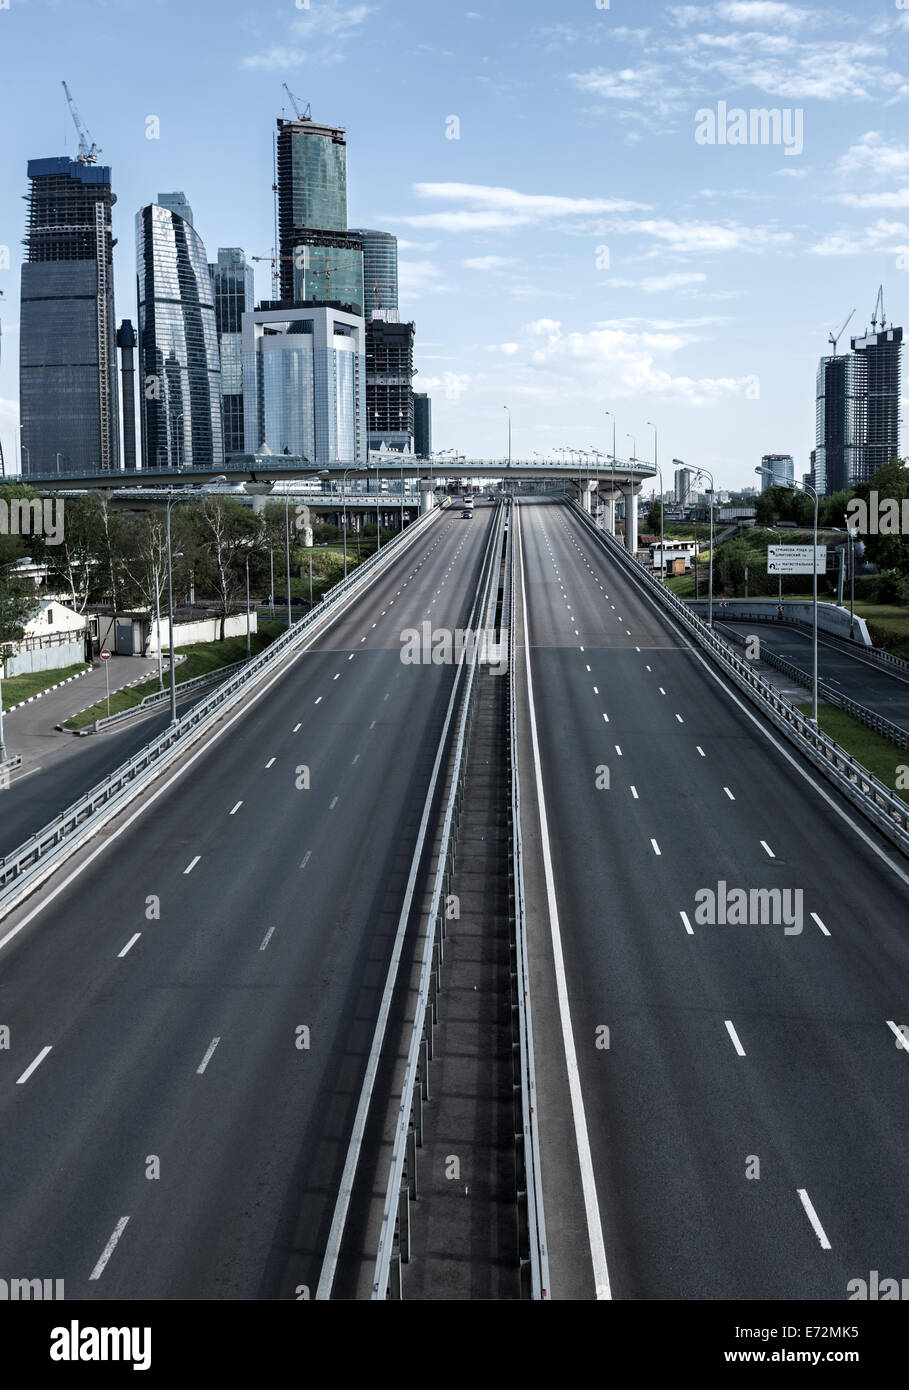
[394, 1237]
[9, 765]
[25, 867]
[161, 697]
[536, 1254]
[865, 791]
[874, 721]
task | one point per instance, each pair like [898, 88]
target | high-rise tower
[179, 365]
[234, 290]
[320, 260]
[126, 342]
[67, 355]
[380, 270]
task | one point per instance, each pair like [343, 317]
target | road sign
[795, 559]
[105, 654]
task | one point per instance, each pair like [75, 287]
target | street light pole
[790, 482]
[287, 546]
[662, 506]
[248, 618]
[507, 408]
[170, 611]
[702, 472]
[609, 412]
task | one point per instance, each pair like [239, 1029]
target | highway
[741, 1131]
[885, 692]
[190, 1013]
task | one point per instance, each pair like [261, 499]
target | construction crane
[834, 340]
[87, 154]
[878, 304]
[307, 114]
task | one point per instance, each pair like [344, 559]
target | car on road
[466, 514]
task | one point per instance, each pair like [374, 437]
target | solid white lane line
[813, 1218]
[235, 809]
[688, 927]
[267, 937]
[735, 1037]
[36, 1063]
[192, 864]
[208, 1055]
[901, 1037]
[109, 1248]
[634, 793]
[269, 763]
[656, 848]
[729, 793]
[768, 849]
[817, 919]
[585, 1161]
[129, 945]
[306, 858]
[700, 750]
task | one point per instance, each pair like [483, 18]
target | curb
[32, 698]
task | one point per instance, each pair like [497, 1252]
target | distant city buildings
[319, 259]
[389, 382]
[684, 487]
[68, 396]
[304, 382]
[179, 363]
[782, 470]
[233, 286]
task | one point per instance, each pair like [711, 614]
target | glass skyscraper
[234, 291]
[320, 260]
[179, 364]
[67, 338]
[304, 383]
[380, 270]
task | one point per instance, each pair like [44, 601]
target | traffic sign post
[795, 559]
[105, 657]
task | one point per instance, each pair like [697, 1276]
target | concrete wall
[830, 618]
[45, 659]
[203, 630]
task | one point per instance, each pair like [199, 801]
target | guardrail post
[424, 1068]
[411, 1168]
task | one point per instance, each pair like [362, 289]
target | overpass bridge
[621, 479]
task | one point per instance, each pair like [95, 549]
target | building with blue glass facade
[320, 260]
[380, 270]
[67, 338]
[233, 284]
[179, 362]
[304, 382]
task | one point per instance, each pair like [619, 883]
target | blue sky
[576, 249]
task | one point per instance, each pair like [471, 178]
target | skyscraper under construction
[67, 352]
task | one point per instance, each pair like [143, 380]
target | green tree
[225, 531]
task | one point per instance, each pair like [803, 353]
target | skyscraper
[683, 486]
[67, 357]
[422, 424]
[320, 260]
[179, 366]
[234, 291]
[126, 342]
[304, 382]
[830, 468]
[380, 270]
[873, 403]
[389, 381]
[782, 470]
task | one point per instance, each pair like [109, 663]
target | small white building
[53, 637]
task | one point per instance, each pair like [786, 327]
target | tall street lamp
[790, 482]
[702, 472]
[507, 408]
[662, 506]
[612, 508]
[172, 498]
[7, 566]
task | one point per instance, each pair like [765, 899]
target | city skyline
[709, 258]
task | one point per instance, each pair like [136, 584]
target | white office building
[304, 382]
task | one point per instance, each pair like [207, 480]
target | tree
[654, 516]
[18, 601]
[889, 552]
[73, 564]
[225, 530]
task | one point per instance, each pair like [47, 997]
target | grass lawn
[19, 688]
[872, 750]
[201, 658]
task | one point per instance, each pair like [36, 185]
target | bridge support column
[427, 498]
[609, 512]
[631, 517]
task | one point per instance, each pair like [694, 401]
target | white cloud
[880, 236]
[452, 384]
[872, 153]
[416, 278]
[661, 284]
[330, 19]
[488, 262]
[790, 173]
[696, 238]
[897, 198]
[487, 208]
[275, 59]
